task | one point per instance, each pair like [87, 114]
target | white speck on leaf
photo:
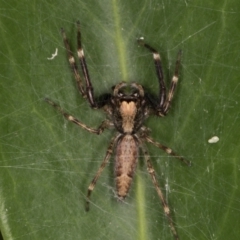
[214, 139]
[53, 55]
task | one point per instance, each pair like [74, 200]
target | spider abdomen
[125, 163]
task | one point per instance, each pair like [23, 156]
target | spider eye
[120, 94]
[136, 94]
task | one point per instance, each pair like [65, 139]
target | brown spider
[126, 110]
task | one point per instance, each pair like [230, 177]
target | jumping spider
[126, 112]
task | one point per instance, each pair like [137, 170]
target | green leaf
[47, 163]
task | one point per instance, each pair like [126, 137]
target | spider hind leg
[166, 208]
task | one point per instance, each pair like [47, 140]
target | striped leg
[167, 150]
[105, 161]
[89, 88]
[73, 65]
[85, 89]
[159, 192]
[158, 66]
[173, 84]
[105, 124]
[164, 102]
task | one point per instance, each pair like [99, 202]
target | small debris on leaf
[214, 139]
[53, 55]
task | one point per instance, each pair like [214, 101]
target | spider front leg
[158, 66]
[105, 124]
[173, 84]
[89, 88]
[73, 65]
[159, 192]
[85, 89]
[164, 102]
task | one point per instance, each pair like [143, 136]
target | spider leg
[105, 161]
[105, 124]
[89, 88]
[173, 84]
[167, 150]
[159, 192]
[158, 66]
[164, 102]
[73, 65]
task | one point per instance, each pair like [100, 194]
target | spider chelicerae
[126, 107]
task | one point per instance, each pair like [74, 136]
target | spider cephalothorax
[129, 110]
[126, 108]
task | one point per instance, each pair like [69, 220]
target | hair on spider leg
[126, 106]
